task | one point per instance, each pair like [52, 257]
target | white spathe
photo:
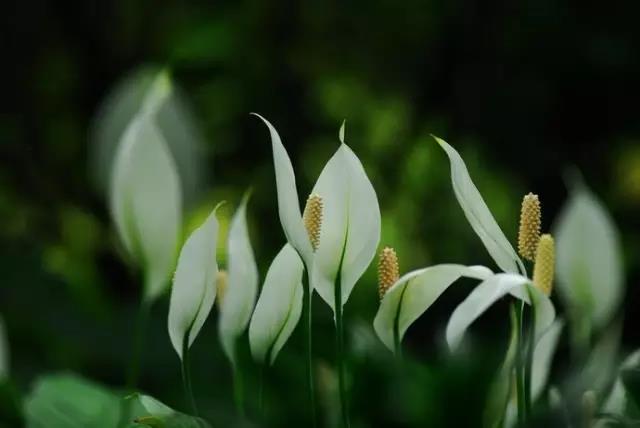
[194, 288]
[589, 261]
[350, 229]
[491, 290]
[146, 202]
[478, 214]
[413, 294]
[279, 306]
[242, 283]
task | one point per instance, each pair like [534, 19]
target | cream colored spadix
[350, 229]
[146, 202]
[413, 294]
[279, 306]
[194, 289]
[242, 283]
[478, 214]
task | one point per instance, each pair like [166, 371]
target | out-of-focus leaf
[146, 202]
[279, 306]
[478, 214]
[589, 261]
[68, 401]
[194, 289]
[413, 294]
[240, 296]
[543, 357]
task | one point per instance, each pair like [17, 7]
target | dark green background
[524, 89]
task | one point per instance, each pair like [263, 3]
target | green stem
[529, 361]
[133, 370]
[238, 391]
[339, 351]
[520, 368]
[310, 379]
[261, 393]
[186, 375]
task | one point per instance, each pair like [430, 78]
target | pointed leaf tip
[341, 132]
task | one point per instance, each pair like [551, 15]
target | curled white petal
[478, 214]
[413, 294]
[194, 290]
[288, 202]
[491, 290]
[279, 306]
[242, 283]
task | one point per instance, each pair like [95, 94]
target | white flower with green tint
[279, 306]
[416, 291]
[145, 195]
[193, 291]
[590, 271]
[350, 229]
[242, 283]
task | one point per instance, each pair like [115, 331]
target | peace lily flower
[279, 306]
[590, 269]
[416, 291]
[193, 292]
[145, 194]
[350, 229]
[241, 283]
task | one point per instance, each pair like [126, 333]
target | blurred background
[525, 90]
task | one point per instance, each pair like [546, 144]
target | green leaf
[240, 297]
[194, 288]
[279, 306]
[589, 262]
[478, 214]
[68, 401]
[413, 294]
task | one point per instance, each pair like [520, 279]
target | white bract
[279, 306]
[589, 262]
[513, 282]
[350, 229]
[242, 283]
[478, 214]
[194, 290]
[145, 197]
[413, 294]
